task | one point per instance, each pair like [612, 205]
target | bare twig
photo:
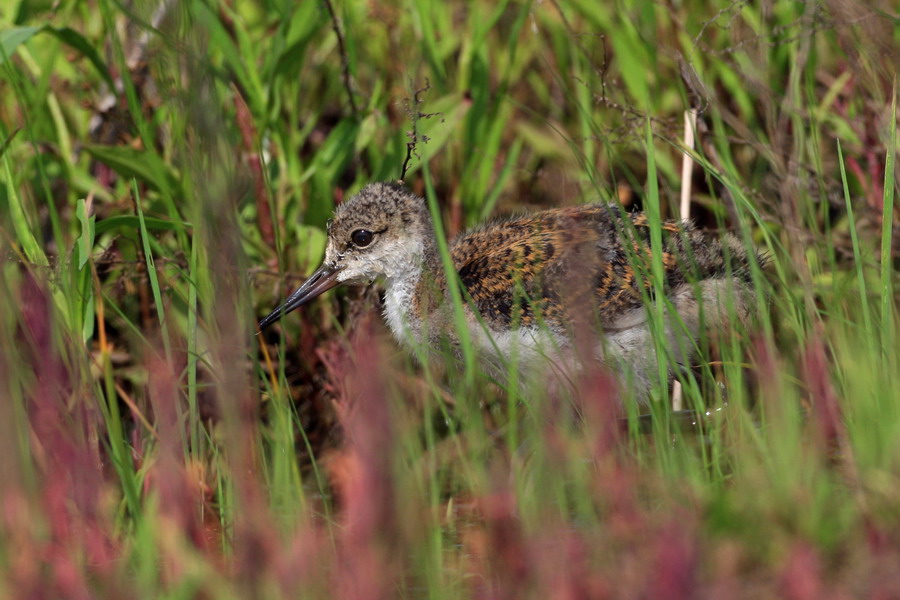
[345, 61]
[412, 109]
[732, 9]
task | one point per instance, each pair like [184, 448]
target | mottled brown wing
[545, 266]
[500, 268]
[535, 267]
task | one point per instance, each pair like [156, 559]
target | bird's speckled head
[379, 232]
[383, 231]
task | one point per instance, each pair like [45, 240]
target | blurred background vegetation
[168, 169]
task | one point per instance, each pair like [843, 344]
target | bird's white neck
[399, 302]
[413, 290]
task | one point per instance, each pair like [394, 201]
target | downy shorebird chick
[530, 279]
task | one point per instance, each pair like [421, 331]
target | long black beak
[319, 282]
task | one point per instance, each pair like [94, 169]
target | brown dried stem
[345, 61]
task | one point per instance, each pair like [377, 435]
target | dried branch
[345, 61]
[412, 110]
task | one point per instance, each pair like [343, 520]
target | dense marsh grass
[168, 169]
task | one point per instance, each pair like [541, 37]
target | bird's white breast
[525, 345]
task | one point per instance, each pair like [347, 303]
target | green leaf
[75, 40]
[87, 328]
[86, 299]
[29, 9]
[306, 21]
[138, 164]
[221, 39]
[312, 245]
[29, 243]
[331, 159]
[338, 147]
[151, 270]
[133, 222]
[12, 38]
[86, 239]
[9, 140]
[631, 57]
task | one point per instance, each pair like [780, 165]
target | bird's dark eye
[361, 238]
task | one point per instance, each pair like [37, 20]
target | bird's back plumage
[590, 257]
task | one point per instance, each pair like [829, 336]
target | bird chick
[532, 283]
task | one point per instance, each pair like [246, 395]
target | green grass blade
[27, 240]
[462, 330]
[151, 271]
[857, 253]
[887, 231]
